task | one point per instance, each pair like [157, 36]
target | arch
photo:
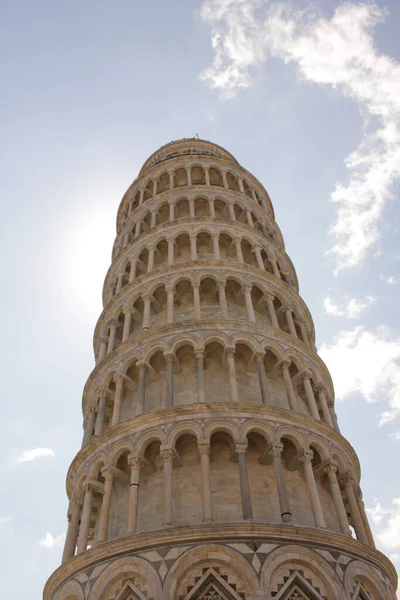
[179, 429]
[264, 429]
[122, 447]
[306, 559]
[99, 461]
[126, 568]
[209, 555]
[293, 435]
[161, 346]
[224, 425]
[145, 439]
[320, 445]
[360, 572]
[70, 591]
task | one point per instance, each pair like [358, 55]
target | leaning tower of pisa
[212, 466]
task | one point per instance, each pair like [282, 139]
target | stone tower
[212, 466]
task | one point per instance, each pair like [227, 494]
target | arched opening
[216, 177]
[216, 373]
[198, 176]
[137, 317]
[118, 521]
[247, 375]
[225, 482]
[277, 391]
[232, 182]
[185, 381]
[205, 249]
[202, 207]
[247, 189]
[296, 484]
[186, 482]
[163, 214]
[148, 191]
[163, 183]
[180, 178]
[209, 298]
[151, 490]
[141, 265]
[227, 248]
[146, 223]
[155, 382]
[221, 209]
[182, 208]
[182, 248]
[183, 309]
[130, 396]
[235, 300]
[248, 253]
[260, 309]
[261, 475]
[159, 307]
[161, 254]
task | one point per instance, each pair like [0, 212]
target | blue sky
[305, 94]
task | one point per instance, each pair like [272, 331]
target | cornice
[220, 533]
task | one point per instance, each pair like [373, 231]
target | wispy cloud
[338, 52]
[351, 310]
[365, 362]
[387, 521]
[5, 520]
[35, 454]
[49, 541]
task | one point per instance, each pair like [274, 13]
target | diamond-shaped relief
[163, 570]
[256, 563]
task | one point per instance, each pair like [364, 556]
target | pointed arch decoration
[130, 592]
[211, 586]
[296, 587]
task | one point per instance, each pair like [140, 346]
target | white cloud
[351, 310]
[339, 52]
[395, 436]
[35, 454]
[364, 362]
[49, 541]
[387, 536]
[5, 520]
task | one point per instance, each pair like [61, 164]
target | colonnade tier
[176, 244]
[190, 204]
[198, 173]
[271, 471]
[200, 292]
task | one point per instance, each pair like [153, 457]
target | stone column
[253, 195]
[132, 274]
[224, 179]
[120, 280]
[170, 303]
[89, 425]
[108, 475]
[324, 404]
[193, 246]
[260, 262]
[101, 407]
[212, 208]
[207, 175]
[103, 347]
[137, 229]
[240, 184]
[331, 470]
[231, 210]
[110, 294]
[167, 456]
[196, 299]
[153, 221]
[146, 312]
[155, 182]
[230, 360]
[169, 380]
[85, 520]
[72, 532]
[269, 299]
[239, 254]
[191, 208]
[113, 325]
[189, 176]
[141, 197]
[306, 459]
[249, 219]
[289, 319]
[150, 262]
[201, 388]
[249, 303]
[128, 312]
[141, 391]
[119, 379]
[171, 179]
[247, 509]
[284, 365]
[276, 453]
[275, 267]
[215, 239]
[264, 387]
[171, 211]
[133, 505]
[303, 331]
[223, 305]
[354, 509]
[204, 452]
[364, 517]
[171, 243]
[312, 405]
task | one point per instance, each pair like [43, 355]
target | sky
[306, 95]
